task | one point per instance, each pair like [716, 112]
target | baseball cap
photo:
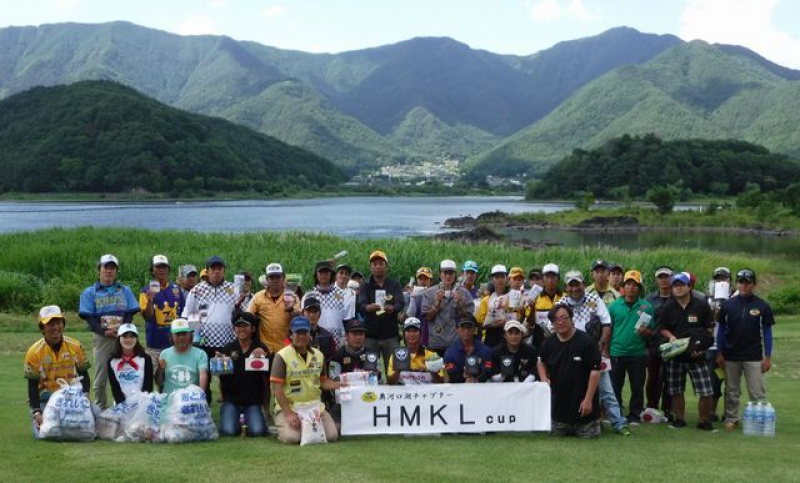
[299, 324]
[126, 328]
[535, 272]
[722, 271]
[411, 323]
[344, 266]
[468, 319]
[159, 260]
[106, 259]
[498, 269]
[573, 276]
[378, 254]
[746, 274]
[470, 266]
[356, 274]
[274, 269]
[323, 265]
[424, 271]
[215, 260]
[599, 263]
[614, 266]
[186, 270]
[310, 302]
[203, 273]
[246, 318]
[246, 274]
[664, 270]
[447, 265]
[680, 277]
[180, 325]
[515, 324]
[551, 268]
[50, 312]
[634, 275]
[516, 272]
[354, 325]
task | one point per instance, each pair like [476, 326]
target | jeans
[253, 418]
[635, 369]
[609, 401]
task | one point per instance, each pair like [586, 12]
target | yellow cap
[424, 271]
[516, 272]
[634, 275]
[378, 254]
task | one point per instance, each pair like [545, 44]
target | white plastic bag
[311, 429]
[142, 421]
[112, 423]
[187, 417]
[68, 414]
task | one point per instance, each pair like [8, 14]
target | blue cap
[679, 277]
[470, 265]
[300, 323]
[215, 260]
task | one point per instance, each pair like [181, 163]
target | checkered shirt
[218, 302]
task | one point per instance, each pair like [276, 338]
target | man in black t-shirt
[569, 361]
[686, 316]
[513, 361]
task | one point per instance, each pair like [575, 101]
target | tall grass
[54, 266]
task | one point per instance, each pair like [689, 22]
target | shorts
[588, 430]
[675, 377]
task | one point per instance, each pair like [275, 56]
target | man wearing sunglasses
[744, 344]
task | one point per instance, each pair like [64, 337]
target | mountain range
[431, 97]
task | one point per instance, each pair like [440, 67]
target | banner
[446, 408]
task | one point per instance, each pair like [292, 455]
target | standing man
[105, 305]
[275, 307]
[423, 277]
[343, 272]
[160, 307]
[493, 311]
[467, 359]
[602, 285]
[570, 363]
[469, 272]
[590, 315]
[633, 323]
[213, 303]
[744, 341]
[187, 278]
[655, 387]
[380, 299]
[443, 306]
[688, 316]
[538, 321]
[51, 358]
[299, 375]
[615, 277]
[333, 302]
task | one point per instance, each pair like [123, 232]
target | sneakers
[730, 425]
[678, 424]
[706, 426]
[624, 430]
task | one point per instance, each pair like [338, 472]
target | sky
[768, 27]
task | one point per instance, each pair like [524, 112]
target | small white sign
[380, 298]
[605, 364]
[644, 320]
[260, 364]
[722, 290]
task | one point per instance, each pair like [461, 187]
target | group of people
[586, 340]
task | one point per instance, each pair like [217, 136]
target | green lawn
[654, 452]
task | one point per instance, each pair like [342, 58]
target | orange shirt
[274, 319]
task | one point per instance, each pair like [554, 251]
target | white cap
[412, 322]
[50, 312]
[353, 284]
[160, 260]
[274, 269]
[515, 324]
[125, 328]
[572, 276]
[448, 265]
[108, 258]
[664, 271]
[551, 268]
[499, 269]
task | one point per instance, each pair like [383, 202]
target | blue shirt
[167, 305]
[98, 300]
[455, 357]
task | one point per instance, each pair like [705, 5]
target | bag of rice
[311, 429]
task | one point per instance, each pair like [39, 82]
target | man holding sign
[633, 322]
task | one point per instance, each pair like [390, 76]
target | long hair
[138, 350]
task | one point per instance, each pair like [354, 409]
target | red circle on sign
[257, 364]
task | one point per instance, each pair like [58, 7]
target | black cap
[599, 263]
[356, 274]
[215, 260]
[246, 318]
[310, 302]
[344, 266]
[323, 265]
[615, 266]
[468, 320]
[247, 275]
[746, 275]
[535, 271]
[354, 325]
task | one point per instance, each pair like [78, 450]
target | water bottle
[748, 420]
[758, 427]
[242, 424]
[769, 421]
[372, 379]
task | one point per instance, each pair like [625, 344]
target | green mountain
[693, 90]
[100, 136]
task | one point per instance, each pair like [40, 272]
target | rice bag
[68, 414]
[187, 417]
[311, 429]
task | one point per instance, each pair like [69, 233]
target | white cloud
[579, 10]
[741, 22]
[198, 25]
[545, 10]
[274, 11]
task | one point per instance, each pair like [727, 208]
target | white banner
[447, 408]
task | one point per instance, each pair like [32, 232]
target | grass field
[653, 453]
